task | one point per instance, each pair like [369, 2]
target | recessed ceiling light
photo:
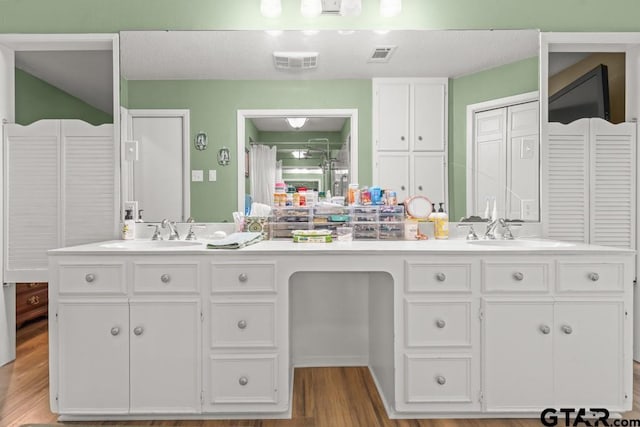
[351, 7]
[311, 8]
[390, 8]
[270, 8]
[296, 122]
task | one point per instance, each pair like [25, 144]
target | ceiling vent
[295, 60]
[382, 54]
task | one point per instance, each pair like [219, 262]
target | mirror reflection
[181, 70]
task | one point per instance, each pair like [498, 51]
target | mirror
[215, 74]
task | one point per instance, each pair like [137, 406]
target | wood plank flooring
[322, 397]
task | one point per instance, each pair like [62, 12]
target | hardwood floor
[331, 397]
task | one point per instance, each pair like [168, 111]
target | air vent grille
[295, 60]
[382, 53]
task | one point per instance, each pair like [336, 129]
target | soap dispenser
[129, 226]
[442, 224]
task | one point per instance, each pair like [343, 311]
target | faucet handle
[508, 235]
[472, 233]
[156, 232]
[191, 235]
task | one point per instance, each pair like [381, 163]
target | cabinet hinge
[56, 397]
[201, 317]
[202, 397]
[56, 315]
[480, 396]
[626, 314]
[635, 282]
[481, 314]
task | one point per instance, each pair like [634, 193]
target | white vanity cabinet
[410, 134]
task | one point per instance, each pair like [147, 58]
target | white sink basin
[151, 244]
[521, 243]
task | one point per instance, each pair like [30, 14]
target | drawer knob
[402, 187]
[138, 330]
[545, 329]
[567, 329]
[243, 381]
[594, 277]
[441, 380]
[402, 138]
[441, 323]
[90, 278]
[165, 278]
[518, 276]
[441, 277]
[243, 277]
[419, 138]
[115, 331]
[242, 324]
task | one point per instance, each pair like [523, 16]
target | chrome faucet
[490, 233]
[507, 234]
[173, 231]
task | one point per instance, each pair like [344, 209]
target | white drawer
[165, 278]
[244, 379]
[437, 323]
[243, 278]
[443, 277]
[590, 277]
[437, 379]
[92, 278]
[515, 277]
[243, 324]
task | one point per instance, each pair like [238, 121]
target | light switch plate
[213, 175]
[528, 148]
[197, 175]
[529, 209]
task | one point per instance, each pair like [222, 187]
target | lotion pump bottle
[442, 224]
[129, 226]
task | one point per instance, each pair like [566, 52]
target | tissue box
[257, 224]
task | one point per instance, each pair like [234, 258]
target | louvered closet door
[31, 202]
[565, 181]
[612, 203]
[89, 183]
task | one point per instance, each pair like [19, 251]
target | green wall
[214, 105]
[512, 79]
[37, 99]
[93, 16]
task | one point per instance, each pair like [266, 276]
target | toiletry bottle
[140, 215]
[129, 226]
[434, 213]
[494, 213]
[442, 224]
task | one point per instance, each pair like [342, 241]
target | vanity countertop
[287, 247]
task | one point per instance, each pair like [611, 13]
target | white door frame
[350, 113]
[44, 42]
[472, 109]
[186, 160]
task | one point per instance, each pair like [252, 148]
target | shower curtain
[262, 164]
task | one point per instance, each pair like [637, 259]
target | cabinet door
[517, 355]
[392, 114]
[589, 359]
[165, 356]
[429, 172]
[393, 173]
[429, 117]
[93, 359]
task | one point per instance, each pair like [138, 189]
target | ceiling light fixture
[270, 8]
[390, 8]
[296, 122]
[299, 154]
[350, 7]
[311, 8]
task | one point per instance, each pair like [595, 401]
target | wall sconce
[200, 141]
[390, 8]
[224, 156]
[270, 8]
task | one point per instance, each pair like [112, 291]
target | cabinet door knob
[420, 187]
[243, 381]
[440, 323]
[138, 330]
[441, 277]
[402, 138]
[441, 380]
[115, 331]
[402, 187]
[594, 277]
[518, 276]
[419, 138]
[545, 329]
[165, 278]
[90, 277]
[567, 329]
[243, 277]
[242, 324]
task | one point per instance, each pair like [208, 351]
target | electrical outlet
[197, 175]
[529, 209]
[213, 175]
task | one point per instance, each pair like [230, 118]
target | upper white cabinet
[410, 137]
[61, 190]
[588, 172]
